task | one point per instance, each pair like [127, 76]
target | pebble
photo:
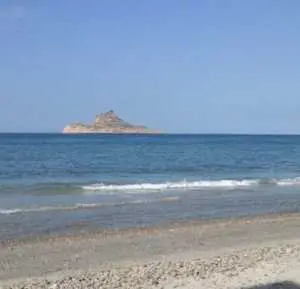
[153, 275]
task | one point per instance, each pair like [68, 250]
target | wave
[192, 185]
[48, 208]
[288, 182]
[82, 206]
[171, 185]
[9, 211]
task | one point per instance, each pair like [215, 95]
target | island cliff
[108, 122]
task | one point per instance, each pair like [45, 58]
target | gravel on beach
[231, 254]
[163, 274]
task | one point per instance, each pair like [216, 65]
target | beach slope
[217, 254]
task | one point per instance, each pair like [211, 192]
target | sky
[180, 66]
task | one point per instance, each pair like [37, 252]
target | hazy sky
[175, 65]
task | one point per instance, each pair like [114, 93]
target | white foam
[48, 208]
[171, 185]
[9, 211]
[185, 185]
[81, 206]
[288, 182]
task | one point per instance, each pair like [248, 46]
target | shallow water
[53, 183]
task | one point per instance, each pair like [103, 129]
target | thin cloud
[12, 16]
[13, 11]
[18, 12]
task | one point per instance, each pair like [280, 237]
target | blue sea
[60, 184]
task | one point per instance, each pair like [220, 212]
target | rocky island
[108, 122]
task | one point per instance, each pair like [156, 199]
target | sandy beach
[218, 254]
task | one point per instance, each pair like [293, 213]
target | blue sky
[179, 66]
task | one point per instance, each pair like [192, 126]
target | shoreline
[194, 251]
[148, 229]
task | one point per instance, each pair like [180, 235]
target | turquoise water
[53, 183]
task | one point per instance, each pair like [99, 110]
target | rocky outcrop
[108, 122]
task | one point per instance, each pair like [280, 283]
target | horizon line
[156, 134]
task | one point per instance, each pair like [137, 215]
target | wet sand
[217, 254]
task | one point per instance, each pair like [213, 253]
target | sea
[63, 184]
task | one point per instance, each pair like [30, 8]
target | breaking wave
[48, 208]
[192, 185]
[171, 185]
[81, 206]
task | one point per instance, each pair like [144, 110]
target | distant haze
[210, 66]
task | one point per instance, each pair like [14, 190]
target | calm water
[53, 183]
